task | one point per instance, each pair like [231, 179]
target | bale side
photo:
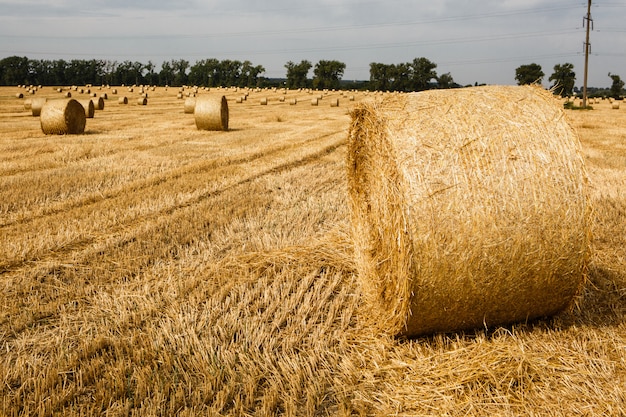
[122, 100]
[469, 208]
[211, 113]
[62, 117]
[98, 103]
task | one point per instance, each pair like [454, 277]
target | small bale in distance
[263, 101]
[314, 101]
[88, 107]
[62, 117]
[211, 113]
[122, 100]
[36, 105]
[190, 104]
[19, 95]
[98, 103]
[142, 101]
[469, 208]
[334, 102]
[615, 105]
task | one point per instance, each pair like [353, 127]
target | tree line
[416, 75]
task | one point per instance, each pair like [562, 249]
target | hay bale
[122, 100]
[334, 102]
[190, 104]
[211, 113]
[293, 101]
[314, 101]
[98, 103]
[35, 105]
[19, 95]
[615, 105]
[67, 94]
[263, 101]
[89, 108]
[142, 101]
[469, 208]
[62, 117]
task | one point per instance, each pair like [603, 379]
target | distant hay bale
[239, 99]
[114, 91]
[36, 105]
[19, 95]
[179, 96]
[263, 101]
[469, 208]
[615, 105]
[281, 99]
[98, 103]
[190, 104]
[314, 101]
[89, 108]
[142, 101]
[62, 117]
[334, 102]
[122, 100]
[105, 96]
[67, 94]
[211, 113]
[293, 101]
[351, 98]
[28, 104]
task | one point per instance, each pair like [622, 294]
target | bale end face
[211, 113]
[62, 117]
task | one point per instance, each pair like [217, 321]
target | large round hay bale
[89, 108]
[98, 103]
[36, 104]
[469, 208]
[190, 104]
[62, 117]
[211, 113]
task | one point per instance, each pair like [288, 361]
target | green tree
[564, 79]
[616, 86]
[297, 74]
[529, 74]
[14, 70]
[379, 78]
[445, 80]
[327, 74]
[423, 71]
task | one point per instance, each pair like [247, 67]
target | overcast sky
[475, 41]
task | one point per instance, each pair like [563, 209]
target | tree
[297, 74]
[423, 71]
[379, 79]
[445, 80]
[327, 74]
[14, 70]
[617, 86]
[529, 74]
[564, 78]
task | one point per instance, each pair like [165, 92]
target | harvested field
[150, 268]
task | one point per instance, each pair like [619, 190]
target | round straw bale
[334, 102]
[67, 94]
[28, 104]
[263, 101]
[62, 117]
[190, 104]
[19, 95]
[615, 105]
[314, 101]
[293, 101]
[122, 100]
[142, 101]
[104, 96]
[114, 91]
[98, 103]
[469, 208]
[211, 113]
[89, 108]
[239, 99]
[36, 105]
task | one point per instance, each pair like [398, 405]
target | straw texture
[190, 104]
[211, 113]
[62, 117]
[35, 105]
[89, 107]
[469, 208]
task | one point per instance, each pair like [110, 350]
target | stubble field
[151, 269]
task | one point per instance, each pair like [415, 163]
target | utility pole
[589, 22]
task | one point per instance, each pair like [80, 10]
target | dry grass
[154, 269]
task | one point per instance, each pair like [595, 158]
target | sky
[480, 41]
